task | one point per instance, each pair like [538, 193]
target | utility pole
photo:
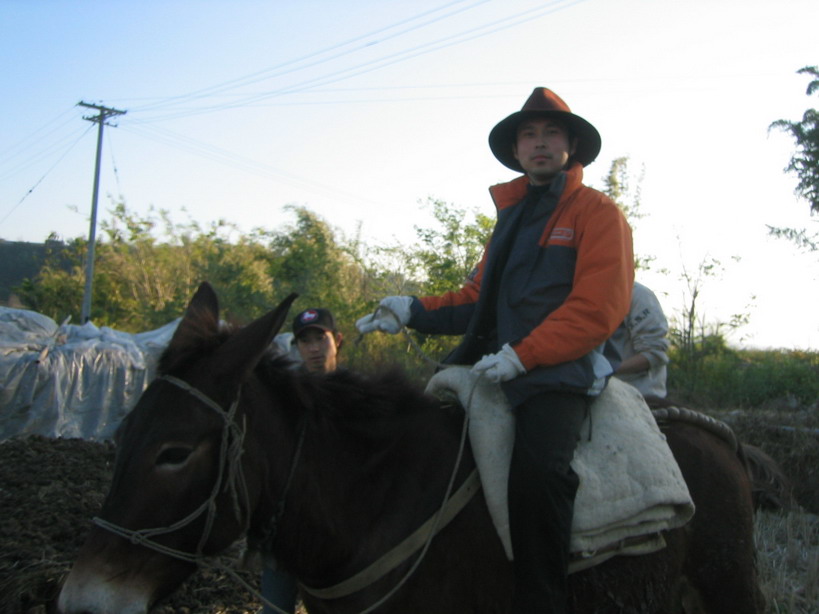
[104, 114]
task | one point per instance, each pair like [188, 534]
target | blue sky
[359, 110]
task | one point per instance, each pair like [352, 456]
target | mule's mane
[348, 396]
[355, 400]
[379, 395]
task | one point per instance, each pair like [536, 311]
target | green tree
[441, 260]
[694, 338]
[147, 267]
[625, 189]
[804, 164]
[449, 252]
[310, 258]
[446, 256]
[136, 268]
[239, 269]
[57, 289]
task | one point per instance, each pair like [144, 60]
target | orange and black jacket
[554, 282]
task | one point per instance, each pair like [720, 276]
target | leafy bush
[746, 379]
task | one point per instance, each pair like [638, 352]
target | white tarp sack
[77, 381]
[70, 380]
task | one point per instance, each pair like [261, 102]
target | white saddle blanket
[630, 484]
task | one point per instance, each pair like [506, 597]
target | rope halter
[230, 478]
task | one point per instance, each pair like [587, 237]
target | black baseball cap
[314, 318]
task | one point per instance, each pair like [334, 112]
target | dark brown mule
[771, 488]
[349, 466]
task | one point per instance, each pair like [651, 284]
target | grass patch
[788, 561]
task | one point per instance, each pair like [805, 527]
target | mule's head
[178, 488]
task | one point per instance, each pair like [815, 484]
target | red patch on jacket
[562, 234]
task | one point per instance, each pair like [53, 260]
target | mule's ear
[201, 318]
[243, 351]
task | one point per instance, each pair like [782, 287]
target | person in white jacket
[642, 340]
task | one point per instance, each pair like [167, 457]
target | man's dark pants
[542, 487]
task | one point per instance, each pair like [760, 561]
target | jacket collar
[511, 193]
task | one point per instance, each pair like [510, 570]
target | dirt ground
[49, 491]
[51, 488]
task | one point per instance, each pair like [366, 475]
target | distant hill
[19, 261]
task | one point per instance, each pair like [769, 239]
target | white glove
[500, 367]
[392, 315]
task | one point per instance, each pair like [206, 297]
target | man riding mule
[335, 473]
[553, 285]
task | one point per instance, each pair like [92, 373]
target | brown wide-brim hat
[544, 103]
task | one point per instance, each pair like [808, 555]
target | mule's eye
[174, 455]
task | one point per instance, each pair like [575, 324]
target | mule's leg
[647, 584]
[721, 563]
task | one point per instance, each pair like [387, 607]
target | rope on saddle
[719, 428]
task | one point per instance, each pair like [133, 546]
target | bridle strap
[421, 539]
[272, 529]
[230, 452]
[406, 548]
[205, 399]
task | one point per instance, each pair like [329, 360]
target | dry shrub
[791, 438]
[788, 559]
[787, 540]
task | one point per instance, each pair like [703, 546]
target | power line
[277, 70]
[229, 158]
[384, 61]
[400, 56]
[40, 180]
[114, 165]
[323, 56]
[19, 162]
[17, 148]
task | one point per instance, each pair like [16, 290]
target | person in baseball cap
[536, 316]
[317, 339]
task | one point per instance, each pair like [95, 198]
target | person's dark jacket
[554, 282]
